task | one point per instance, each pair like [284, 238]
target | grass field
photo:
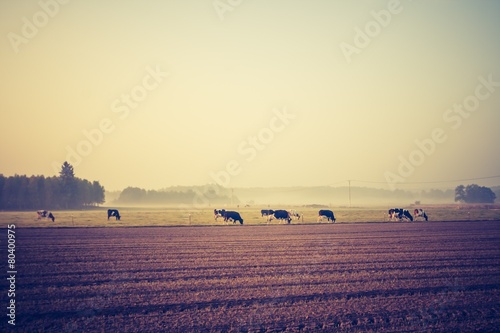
[348, 277]
[155, 216]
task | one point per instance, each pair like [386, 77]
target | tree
[2, 183]
[51, 193]
[460, 194]
[67, 172]
[36, 187]
[69, 186]
[97, 193]
[474, 194]
[132, 195]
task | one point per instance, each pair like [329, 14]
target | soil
[358, 277]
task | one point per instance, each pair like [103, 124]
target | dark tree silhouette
[67, 172]
[460, 194]
[69, 186]
[474, 194]
[136, 195]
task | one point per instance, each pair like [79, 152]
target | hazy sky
[251, 92]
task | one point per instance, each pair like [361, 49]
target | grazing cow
[45, 214]
[234, 216]
[266, 212]
[281, 215]
[115, 213]
[420, 213]
[294, 213]
[326, 213]
[391, 213]
[400, 213]
[219, 213]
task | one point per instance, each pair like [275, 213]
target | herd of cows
[404, 214]
[281, 215]
[287, 216]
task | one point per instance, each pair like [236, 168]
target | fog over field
[262, 197]
[395, 95]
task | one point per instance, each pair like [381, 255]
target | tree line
[214, 194]
[65, 191]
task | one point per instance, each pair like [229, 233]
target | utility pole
[349, 181]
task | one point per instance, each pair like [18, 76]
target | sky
[252, 93]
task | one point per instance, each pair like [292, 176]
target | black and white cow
[234, 216]
[45, 214]
[115, 213]
[266, 212]
[219, 213]
[326, 213]
[420, 213]
[400, 213]
[296, 214]
[281, 215]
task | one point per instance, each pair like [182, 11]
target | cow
[45, 214]
[391, 213]
[219, 213]
[326, 213]
[281, 215]
[234, 216]
[420, 213]
[266, 212]
[115, 213]
[294, 213]
[400, 213]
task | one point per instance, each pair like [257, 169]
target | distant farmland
[350, 277]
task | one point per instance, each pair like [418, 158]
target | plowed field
[379, 277]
